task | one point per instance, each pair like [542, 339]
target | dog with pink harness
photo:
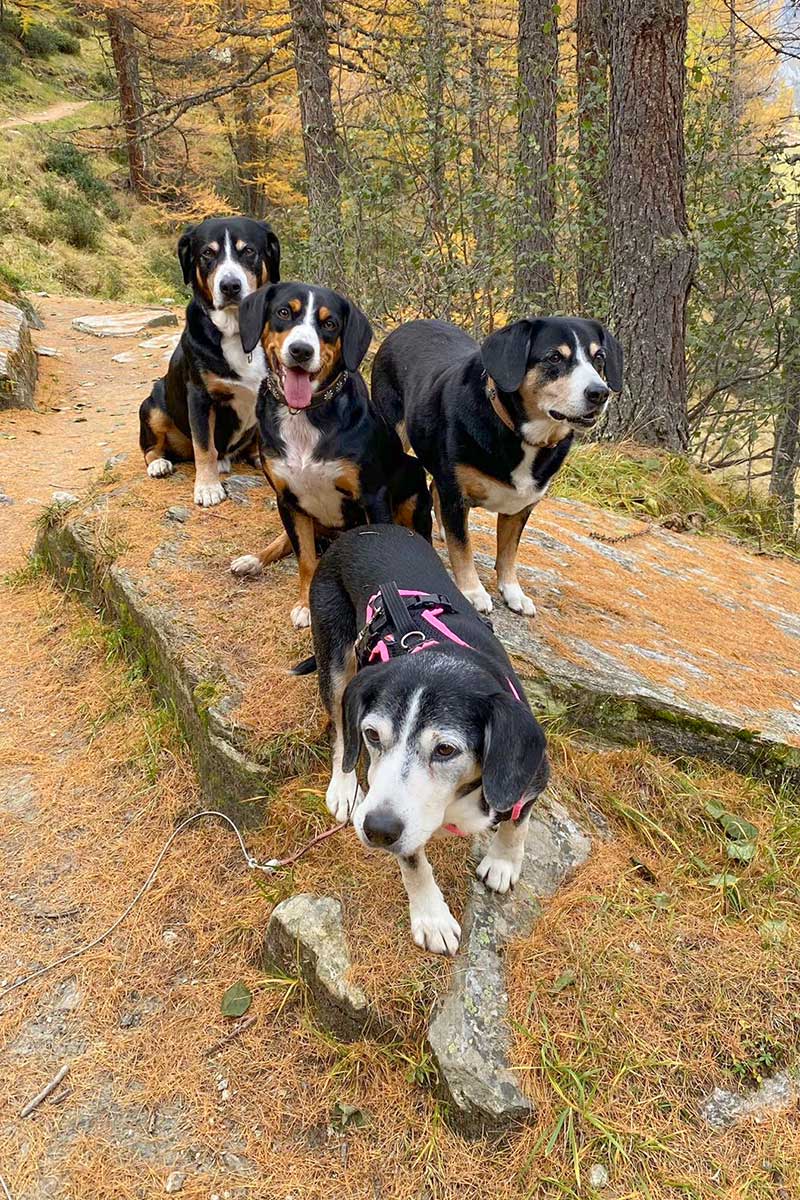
[424, 698]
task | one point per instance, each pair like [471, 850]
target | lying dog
[205, 407]
[429, 694]
[332, 461]
[493, 423]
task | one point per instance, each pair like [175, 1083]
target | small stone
[129, 1020]
[305, 933]
[175, 1182]
[47, 352]
[64, 498]
[4, 499]
[598, 1176]
[779, 1091]
[169, 937]
[178, 513]
[124, 357]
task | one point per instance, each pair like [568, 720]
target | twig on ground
[45, 1092]
[230, 1037]
[54, 916]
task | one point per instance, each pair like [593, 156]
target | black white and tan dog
[330, 458]
[414, 680]
[493, 423]
[205, 407]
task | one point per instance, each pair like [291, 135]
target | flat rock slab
[124, 324]
[777, 1093]
[305, 938]
[690, 642]
[18, 367]
[469, 1036]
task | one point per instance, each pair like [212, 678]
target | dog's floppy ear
[505, 354]
[252, 315]
[613, 360]
[272, 254]
[356, 338]
[354, 705]
[514, 754]
[185, 253]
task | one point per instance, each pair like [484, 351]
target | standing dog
[493, 423]
[205, 407]
[330, 458]
[428, 694]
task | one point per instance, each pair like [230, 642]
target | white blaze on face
[229, 269]
[583, 376]
[305, 331]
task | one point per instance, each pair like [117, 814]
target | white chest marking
[250, 369]
[522, 491]
[311, 480]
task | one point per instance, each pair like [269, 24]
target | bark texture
[320, 143]
[786, 454]
[122, 38]
[534, 283]
[652, 254]
[592, 78]
[248, 142]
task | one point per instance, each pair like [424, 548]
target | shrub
[9, 57]
[71, 218]
[66, 160]
[11, 24]
[40, 41]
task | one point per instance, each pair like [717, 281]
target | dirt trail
[45, 116]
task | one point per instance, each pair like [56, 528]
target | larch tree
[786, 453]
[122, 39]
[592, 117]
[320, 142]
[537, 53]
[652, 253]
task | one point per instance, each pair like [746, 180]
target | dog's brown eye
[329, 324]
[445, 750]
[554, 357]
[600, 360]
[284, 314]
[372, 736]
[208, 254]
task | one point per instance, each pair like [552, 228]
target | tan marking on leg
[206, 461]
[404, 513]
[462, 561]
[307, 564]
[509, 531]
[437, 510]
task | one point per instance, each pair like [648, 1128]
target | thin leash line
[253, 864]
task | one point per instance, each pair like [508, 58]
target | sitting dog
[330, 458]
[205, 407]
[427, 692]
[493, 423]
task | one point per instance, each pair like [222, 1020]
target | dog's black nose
[301, 352]
[231, 288]
[596, 394]
[382, 828]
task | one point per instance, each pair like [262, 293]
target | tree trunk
[786, 454]
[534, 283]
[249, 146]
[480, 201]
[592, 115]
[323, 165]
[122, 36]
[436, 300]
[652, 254]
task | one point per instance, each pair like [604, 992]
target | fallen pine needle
[45, 1092]
[230, 1037]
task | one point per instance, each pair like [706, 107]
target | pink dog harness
[390, 631]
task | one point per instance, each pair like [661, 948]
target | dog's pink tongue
[297, 387]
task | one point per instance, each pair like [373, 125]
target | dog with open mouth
[494, 423]
[205, 407]
[331, 460]
[417, 685]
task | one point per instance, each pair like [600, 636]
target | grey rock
[69, 996]
[18, 367]
[305, 935]
[65, 499]
[722, 1108]
[48, 352]
[123, 324]
[598, 1176]
[175, 1182]
[124, 357]
[4, 499]
[178, 513]
[468, 1036]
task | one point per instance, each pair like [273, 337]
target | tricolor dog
[416, 683]
[330, 458]
[205, 407]
[493, 423]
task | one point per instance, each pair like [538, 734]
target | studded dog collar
[330, 393]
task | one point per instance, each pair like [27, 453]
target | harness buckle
[412, 633]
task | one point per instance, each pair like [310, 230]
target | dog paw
[224, 466]
[209, 494]
[434, 928]
[498, 874]
[479, 598]
[301, 616]
[343, 796]
[247, 565]
[160, 467]
[516, 599]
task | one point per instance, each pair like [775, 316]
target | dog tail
[307, 667]
[386, 399]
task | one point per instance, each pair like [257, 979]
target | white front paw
[301, 616]
[499, 874]
[160, 467]
[479, 598]
[516, 599]
[224, 466]
[247, 564]
[209, 494]
[342, 796]
[434, 928]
